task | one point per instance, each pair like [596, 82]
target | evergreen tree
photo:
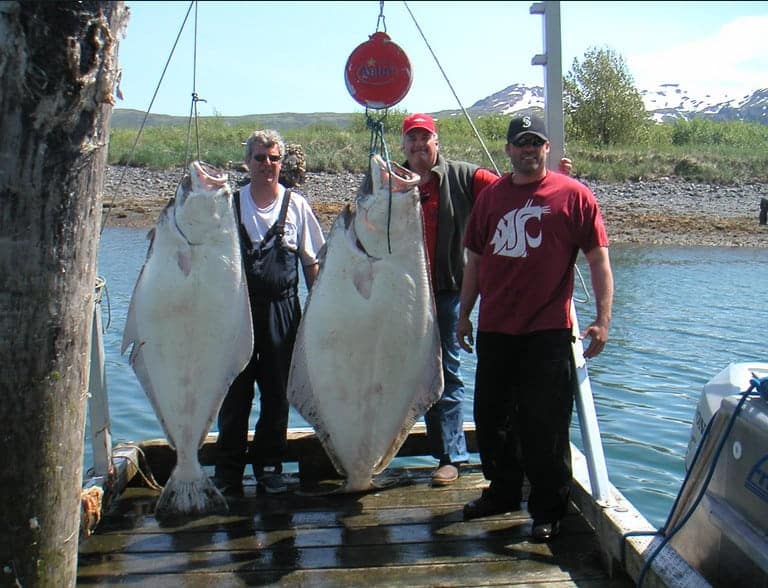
[601, 102]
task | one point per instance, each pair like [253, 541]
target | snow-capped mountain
[664, 103]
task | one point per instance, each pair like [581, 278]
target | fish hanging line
[193, 109]
[378, 145]
[378, 142]
[195, 99]
[458, 101]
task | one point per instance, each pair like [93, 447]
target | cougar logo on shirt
[511, 238]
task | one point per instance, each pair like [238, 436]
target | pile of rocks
[667, 211]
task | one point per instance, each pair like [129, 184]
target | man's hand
[464, 334]
[598, 337]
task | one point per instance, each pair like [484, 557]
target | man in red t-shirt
[522, 240]
[448, 190]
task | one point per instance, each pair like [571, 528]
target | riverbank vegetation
[609, 136]
[698, 150]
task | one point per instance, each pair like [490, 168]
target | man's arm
[469, 291]
[310, 274]
[602, 285]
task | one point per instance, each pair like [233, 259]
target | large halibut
[367, 360]
[189, 322]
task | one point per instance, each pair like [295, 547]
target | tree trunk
[58, 68]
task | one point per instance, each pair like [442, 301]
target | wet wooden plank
[456, 575]
[407, 535]
[505, 554]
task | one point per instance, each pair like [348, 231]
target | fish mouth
[201, 178]
[208, 176]
[392, 175]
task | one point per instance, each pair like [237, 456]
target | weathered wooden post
[763, 217]
[58, 66]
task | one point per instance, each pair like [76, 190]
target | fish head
[391, 208]
[203, 204]
[388, 174]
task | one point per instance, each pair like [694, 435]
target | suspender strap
[279, 226]
[277, 229]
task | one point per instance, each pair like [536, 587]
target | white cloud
[732, 62]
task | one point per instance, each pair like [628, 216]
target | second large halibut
[367, 360]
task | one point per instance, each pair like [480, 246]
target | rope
[583, 286]
[148, 478]
[193, 105]
[463, 110]
[102, 290]
[146, 115]
[378, 145]
[381, 21]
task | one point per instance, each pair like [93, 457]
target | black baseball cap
[524, 125]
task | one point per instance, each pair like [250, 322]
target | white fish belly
[367, 360]
[190, 329]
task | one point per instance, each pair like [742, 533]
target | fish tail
[190, 497]
[360, 484]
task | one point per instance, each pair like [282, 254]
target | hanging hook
[381, 19]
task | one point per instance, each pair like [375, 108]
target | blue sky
[267, 57]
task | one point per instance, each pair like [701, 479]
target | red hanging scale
[378, 73]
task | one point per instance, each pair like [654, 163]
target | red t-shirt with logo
[430, 196]
[528, 237]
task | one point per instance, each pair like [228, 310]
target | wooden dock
[407, 534]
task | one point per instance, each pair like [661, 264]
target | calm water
[680, 316]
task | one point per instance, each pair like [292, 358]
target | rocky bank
[667, 211]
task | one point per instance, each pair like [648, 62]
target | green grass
[699, 150]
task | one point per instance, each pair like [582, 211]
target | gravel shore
[667, 211]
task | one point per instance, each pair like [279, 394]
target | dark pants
[274, 327]
[523, 407]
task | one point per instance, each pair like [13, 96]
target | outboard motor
[719, 523]
[732, 381]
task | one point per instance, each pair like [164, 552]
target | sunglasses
[527, 140]
[262, 157]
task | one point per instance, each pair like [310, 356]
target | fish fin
[303, 399]
[184, 260]
[136, 359]
[362, 278]
[131, 331]
[189, 497]
[151, 238]
[430, 390]
[244, 340]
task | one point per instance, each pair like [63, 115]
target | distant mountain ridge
[665, 103]
[124, 118]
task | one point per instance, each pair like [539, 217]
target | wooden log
[304, 448]
[59, 64]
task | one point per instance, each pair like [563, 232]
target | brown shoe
[445, 474]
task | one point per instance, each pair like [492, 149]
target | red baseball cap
[419, 121]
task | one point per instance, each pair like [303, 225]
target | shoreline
[661, 212]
